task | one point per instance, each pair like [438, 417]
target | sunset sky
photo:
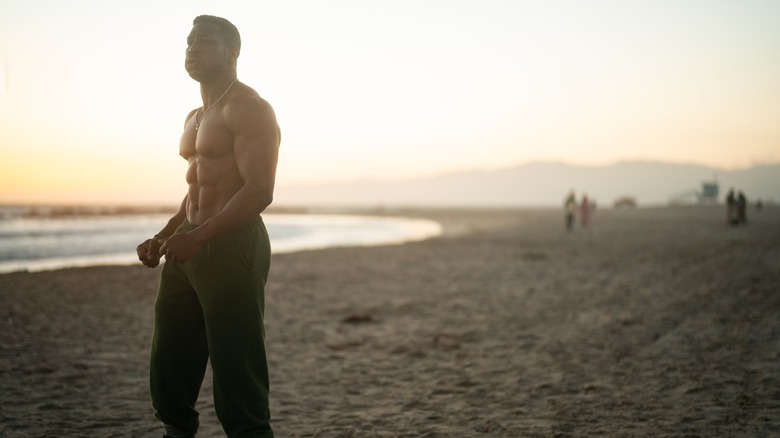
[93, 95]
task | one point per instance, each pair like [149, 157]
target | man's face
[206, 53]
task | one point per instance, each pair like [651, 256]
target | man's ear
[234, 55]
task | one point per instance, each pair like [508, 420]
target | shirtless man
[210, 301]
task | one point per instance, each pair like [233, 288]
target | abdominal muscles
[212, 183]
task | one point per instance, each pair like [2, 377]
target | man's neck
[211, 91]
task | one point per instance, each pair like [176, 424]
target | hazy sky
[93, 95]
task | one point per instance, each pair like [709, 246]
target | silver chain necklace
[198, 119]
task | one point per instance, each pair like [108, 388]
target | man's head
[228, 31]
[213, 47]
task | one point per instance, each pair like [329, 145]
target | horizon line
[529, 163]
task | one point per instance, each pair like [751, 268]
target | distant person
[731, 208]
[210, 301]
[741, 208]
[570, 210]
[585, 212]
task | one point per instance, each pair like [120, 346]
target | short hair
[227, 29]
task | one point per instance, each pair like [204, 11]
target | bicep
[255, 142]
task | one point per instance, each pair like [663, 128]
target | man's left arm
[256, 148]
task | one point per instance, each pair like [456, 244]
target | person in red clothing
[585, 212]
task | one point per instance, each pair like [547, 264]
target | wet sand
[655, 322]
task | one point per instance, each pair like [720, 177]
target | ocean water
[50, 241]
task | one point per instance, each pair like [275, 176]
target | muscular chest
[211, 140]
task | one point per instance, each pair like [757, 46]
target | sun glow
[92, 102]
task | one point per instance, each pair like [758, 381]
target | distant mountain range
[544, 184]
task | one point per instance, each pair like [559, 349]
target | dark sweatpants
[212, 307]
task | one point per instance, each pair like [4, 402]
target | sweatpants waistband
[186, 226]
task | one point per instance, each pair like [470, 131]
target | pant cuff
[172, 431]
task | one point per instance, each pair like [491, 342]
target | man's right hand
[148, 252]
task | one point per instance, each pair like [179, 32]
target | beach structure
[625, 202]
[707, 195]
[709, 192]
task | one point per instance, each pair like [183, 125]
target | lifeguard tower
[708, 195]
[709, 192]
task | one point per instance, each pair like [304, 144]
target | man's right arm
[148, 250]
[174, 222]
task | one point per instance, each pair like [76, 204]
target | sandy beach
[657, 322]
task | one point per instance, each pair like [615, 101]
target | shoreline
[655, 322]
[314, 231]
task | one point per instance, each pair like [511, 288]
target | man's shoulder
[190, 115]
[246, 93]
[248, 100]
[247, 111]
